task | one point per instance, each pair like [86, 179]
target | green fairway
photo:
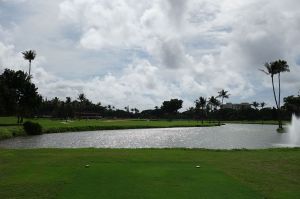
[149, 173]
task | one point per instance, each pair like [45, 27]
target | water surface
[230, 136]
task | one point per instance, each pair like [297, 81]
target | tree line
[19, 97]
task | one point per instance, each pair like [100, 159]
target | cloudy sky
[141, 52]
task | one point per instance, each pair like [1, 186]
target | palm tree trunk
[202, 110]
[279, 123]
[279, 107]
[211, 111]
[274, 92]
[221, 112]
[220, 115]
[29, 67]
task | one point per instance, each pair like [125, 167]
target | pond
[228, 136]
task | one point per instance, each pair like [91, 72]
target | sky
[138, 53]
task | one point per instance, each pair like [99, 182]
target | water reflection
[224, 137]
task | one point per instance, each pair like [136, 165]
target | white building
[240, 106]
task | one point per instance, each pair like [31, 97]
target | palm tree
[276, 68]
[126, 108]
[255, 104]
[282, 67]
[214, 103]
[223, 94]
[68, 108]
[136, 111]
[200, 104]
[29, 55]
[262, 105]
[82, 99]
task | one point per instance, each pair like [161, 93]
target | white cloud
[139, 86]
[9, 58]
[140, 52]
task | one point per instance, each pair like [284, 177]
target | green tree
[292, 104]
[200, 105]
[262, 105]
[30, 56]
[17, 92]
[68, 108]
[82, 99]
[276, 68]
[214, 103]
[171, 107]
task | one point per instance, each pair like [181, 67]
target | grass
[10, 131]
[149, 173]
[270, 122]
[9, 128]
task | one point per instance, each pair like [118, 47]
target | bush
[9, 132]
[32, 128]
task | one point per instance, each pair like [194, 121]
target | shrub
[32, 128]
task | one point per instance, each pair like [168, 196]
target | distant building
[88, 115]
[240, 106]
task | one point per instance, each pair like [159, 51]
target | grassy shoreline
[59, 126]
[265, 122]
[149, 173]
[9, 129]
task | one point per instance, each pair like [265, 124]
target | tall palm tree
[29, 55]
[282, 67]
[271, 70]
[276, 68]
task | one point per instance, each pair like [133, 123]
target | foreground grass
[149, 173]
[9, 128]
